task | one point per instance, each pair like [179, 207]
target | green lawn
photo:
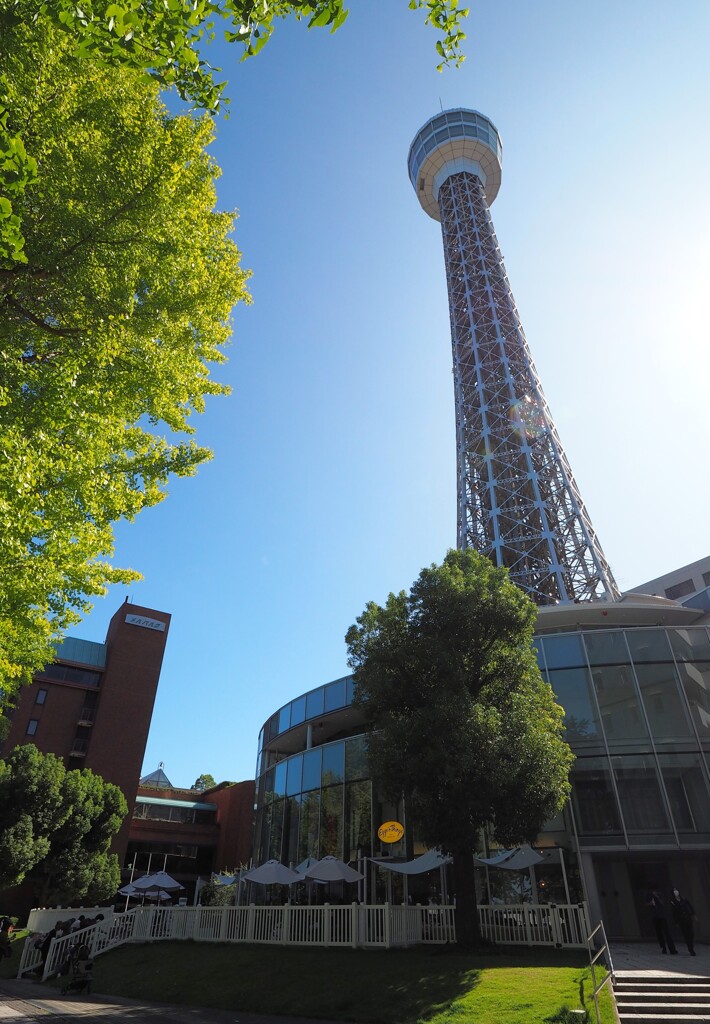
[517, 986]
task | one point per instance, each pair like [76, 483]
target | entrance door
[645, 875]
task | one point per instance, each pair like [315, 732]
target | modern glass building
[634, 680]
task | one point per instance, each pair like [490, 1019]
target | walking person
[659, 918]
[684, 916]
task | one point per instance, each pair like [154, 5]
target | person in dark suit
[684, 915]
[659, 918]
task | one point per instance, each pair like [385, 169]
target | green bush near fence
[415, 986]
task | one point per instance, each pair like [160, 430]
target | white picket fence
[351, 925]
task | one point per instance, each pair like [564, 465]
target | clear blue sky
[333, 480]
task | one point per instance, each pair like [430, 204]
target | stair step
[653, 996]
[692, 1010]
[661, 1018]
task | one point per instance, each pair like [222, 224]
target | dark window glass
[298, 711]
[640, 794]
[32, 726]
[350, 688]
[292, 825]
[356, 766]
[687, 791]
[311, 769]
[276, 837]
[661, 698]
[358, 814]
[310, 827]
[41, 696]
[695, 680]
[690, 644]
[706, 579]
[335, 695]
[285, 718]
[70, 674]
[680, 590]
[272, 727]
[293, 778]
[573, 690]
[563, 651]
[594, 798]
[648, 645]
[269, 786]
[331, 822]
[333, 763]
[314, 703]
[280, 779]
[606, 648]
[619, 706]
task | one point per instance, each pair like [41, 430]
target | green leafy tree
[167, 39]
[464, 726]
[56, 828]
[204, 781]
[107, 329]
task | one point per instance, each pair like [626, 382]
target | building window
[41, 697]
[32, 726]
[706, 579]
[70, 674]
[680, 590]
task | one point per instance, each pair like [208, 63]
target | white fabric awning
[519, 859]
[427, 862]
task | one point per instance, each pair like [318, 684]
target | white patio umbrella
[273, 872]
[330, 869]
[154, 883]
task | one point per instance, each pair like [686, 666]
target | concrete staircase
[662, 998]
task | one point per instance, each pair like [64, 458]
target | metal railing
[351, 925]
[594, 957]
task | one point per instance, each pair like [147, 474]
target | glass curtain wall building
[637, 715]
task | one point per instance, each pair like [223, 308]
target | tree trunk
[468, 927]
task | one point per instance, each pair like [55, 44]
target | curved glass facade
[451, 124]
[637, 715]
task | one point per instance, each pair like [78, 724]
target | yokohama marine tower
[518, 502]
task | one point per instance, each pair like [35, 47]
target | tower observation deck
[518, 502]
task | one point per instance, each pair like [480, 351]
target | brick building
[92, 707]
[189, 832]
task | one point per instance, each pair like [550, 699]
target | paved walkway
[646, 958]
[29, 1001]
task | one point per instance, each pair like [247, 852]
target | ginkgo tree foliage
[168, 39]
[107, 328]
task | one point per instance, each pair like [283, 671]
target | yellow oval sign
[390, 832]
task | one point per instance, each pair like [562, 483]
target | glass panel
[314, 703]
[687, 791]
[335, 695]
[293, 778]
[333, 763]
[661, 698]
[649, 645]
[358, 814]
[285, 718]
[280, 779]
[277, 822]
[690, 644]
[331, 822]
[593, 796]
[619, 706]
[310, 827]
[606, 648]
[350, 690]
[539, 654]
[640, 794]
[272, 727]
[298, 711]
[573, 690]
[311, 769]
[695, 680]
[291, 830]
[563, 651]
[356, 759]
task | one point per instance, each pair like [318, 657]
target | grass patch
[415, 986]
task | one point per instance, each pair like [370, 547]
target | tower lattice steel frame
[518, 502]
